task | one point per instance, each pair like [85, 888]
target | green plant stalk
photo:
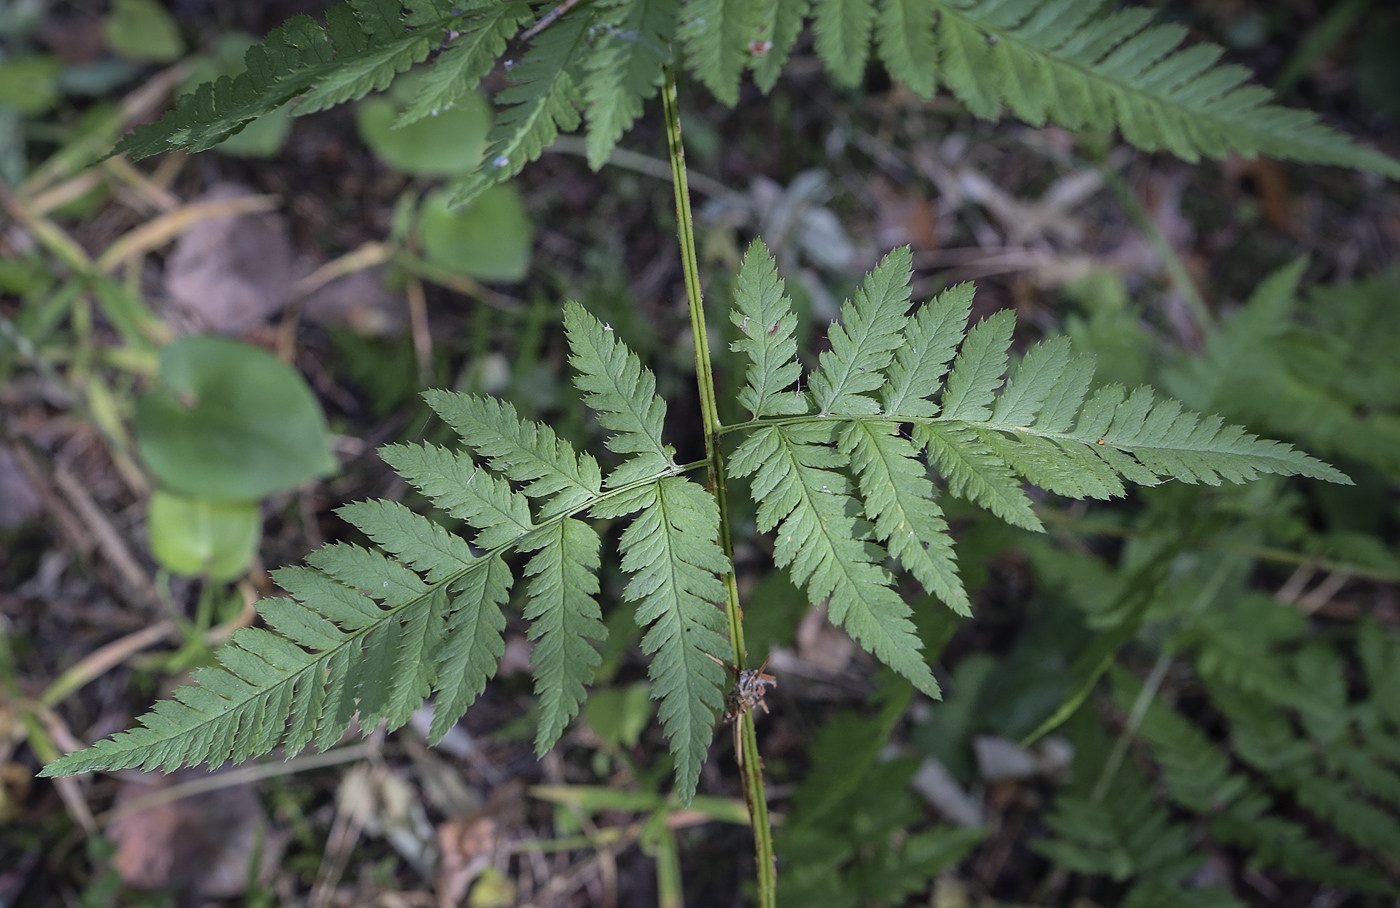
[749, 761]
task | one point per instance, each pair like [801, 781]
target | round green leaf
[198, 537]
[230, 421]
[443, 145]
[490, 239]
[143, 30]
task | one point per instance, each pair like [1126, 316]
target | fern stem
[749, 760]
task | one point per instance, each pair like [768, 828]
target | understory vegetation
[894, 453]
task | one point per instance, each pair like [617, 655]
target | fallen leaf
[229, 274]
[202, 844]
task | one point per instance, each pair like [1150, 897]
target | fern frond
[778, 23]
[716, 35]
[623, 394]
[843, 37]
[825, 547]
[542, 102]
[362, 47]
[456, 71]
[764, 316]
[863, 343]
[982, 438]
[625, 68]
[564, 608]
[1062, 61]
[675, 563]
[904, 32]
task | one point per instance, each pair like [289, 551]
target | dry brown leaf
[202, 844]
[229, 274]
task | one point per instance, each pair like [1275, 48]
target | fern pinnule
[776, 27]
[521, 450]
[930, 342]
[764, 317]
[843, 30]
[542, 101]
[633, 39]
[863, 342]
[459, 68]
[564, 612]
[900, 503]
[622, 393]
[978, 369]
[716, 35]
[675, 565]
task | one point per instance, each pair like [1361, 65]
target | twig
[240, 776]
[548, 19]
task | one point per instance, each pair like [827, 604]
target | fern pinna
[840, 469]
[1070, 62]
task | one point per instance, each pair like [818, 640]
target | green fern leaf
[412, 538]
[974, 472]
[978, 370]
[904, 33]
[716, 35]
[414, 654]
[521, 450]
[777, 23]
[387, 581]
[1173, 442]
[461, 488]
[1059, 60]
[863, 343]
[899, 502]
[363, 46]
[542, 102]
[622, 392]
[456, 71]
[931, 340]
[675, 565]
[843, 37]
[226, 712]
[1032, 383]
[625, 68]
[473, 643]
[764, 316]
[563, 606]
[824, 547]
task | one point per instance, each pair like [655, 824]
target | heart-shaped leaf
[231, 422]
